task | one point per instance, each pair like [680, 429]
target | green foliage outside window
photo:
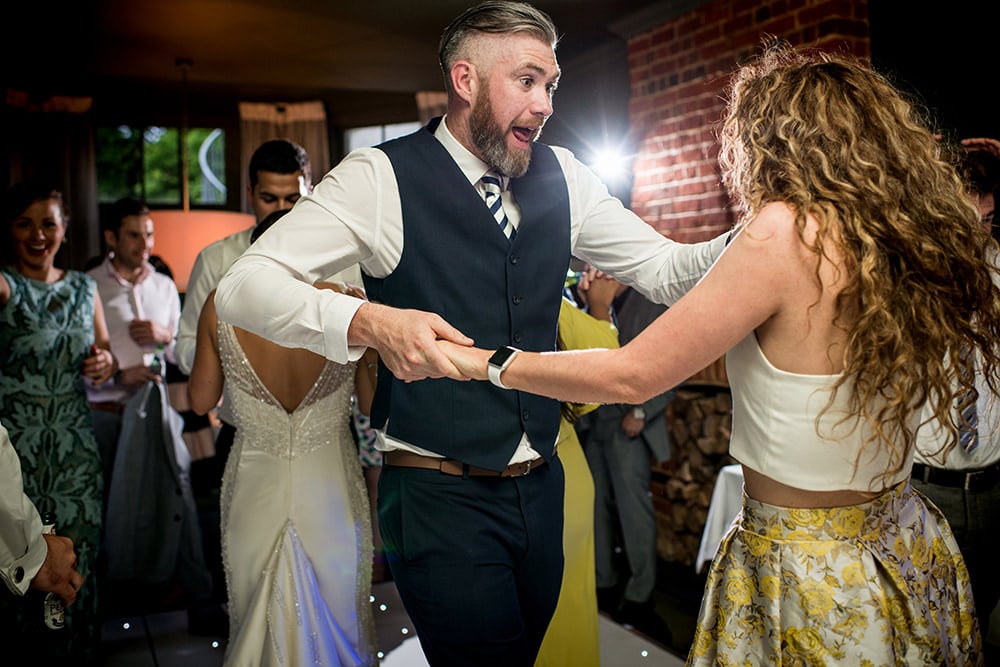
[144, 163]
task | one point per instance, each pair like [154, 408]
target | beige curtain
[301, 122]
[431, 104]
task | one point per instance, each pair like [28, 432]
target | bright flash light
[610, 164]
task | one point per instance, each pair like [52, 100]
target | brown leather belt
[405, 459]
[109, 406]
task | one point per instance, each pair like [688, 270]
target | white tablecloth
[727, 499]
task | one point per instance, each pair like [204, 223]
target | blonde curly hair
[833, 139]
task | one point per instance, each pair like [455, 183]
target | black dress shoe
[607, 600]
[642, 616]
[208, 620]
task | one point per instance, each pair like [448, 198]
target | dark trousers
[972, 516]
[477, 560]
[621, 469]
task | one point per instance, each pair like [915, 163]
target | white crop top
[776, 433]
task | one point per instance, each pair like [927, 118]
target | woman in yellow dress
[572, 637]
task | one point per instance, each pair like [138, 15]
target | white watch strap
[494, 373]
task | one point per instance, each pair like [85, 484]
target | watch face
[501, 356]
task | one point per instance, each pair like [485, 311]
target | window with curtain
[360, 137]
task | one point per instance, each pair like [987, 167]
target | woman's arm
[748, 285]
[100, 365]
[205, 382]
[365, 375]
[365, 380]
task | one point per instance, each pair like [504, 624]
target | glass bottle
[53, 608]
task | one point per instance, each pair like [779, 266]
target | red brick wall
[679, 71]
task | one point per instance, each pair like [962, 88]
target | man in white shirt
[966, 484]
[280, 174]
[142, 309]
[28, 558]
[470, 473]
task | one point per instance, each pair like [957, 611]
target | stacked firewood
[700, 422]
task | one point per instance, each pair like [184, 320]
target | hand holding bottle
[58, 576]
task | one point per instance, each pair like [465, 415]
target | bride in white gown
[296, 528]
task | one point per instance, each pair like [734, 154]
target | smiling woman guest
[53, 339]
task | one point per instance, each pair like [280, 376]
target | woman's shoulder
[778, 225]
[79, 276]
[5, 286]
[776, 217]
[772, 230]
[80, 280]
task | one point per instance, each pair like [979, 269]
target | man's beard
[491, 141]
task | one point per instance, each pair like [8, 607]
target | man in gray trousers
[620, 446]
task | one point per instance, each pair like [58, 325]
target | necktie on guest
[492, 187]
[968, 432]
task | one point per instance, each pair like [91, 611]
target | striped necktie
[968, 432]
[492, 188]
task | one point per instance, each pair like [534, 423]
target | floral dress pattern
[45, 334]
[882, 583]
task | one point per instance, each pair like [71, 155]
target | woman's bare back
[288, 373]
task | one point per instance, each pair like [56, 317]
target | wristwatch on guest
[499, 362]
[638, 413]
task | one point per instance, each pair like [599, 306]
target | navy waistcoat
[456, 262]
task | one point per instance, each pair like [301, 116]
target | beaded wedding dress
[296, 528]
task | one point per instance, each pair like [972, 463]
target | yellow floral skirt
[881, 583]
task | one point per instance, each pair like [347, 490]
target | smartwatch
[638, 413]
[499, 362]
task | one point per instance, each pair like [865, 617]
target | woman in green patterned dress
[52, 336]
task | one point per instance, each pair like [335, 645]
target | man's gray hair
[496, 17]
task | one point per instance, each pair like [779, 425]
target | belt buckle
[527, 468]
[971, 478]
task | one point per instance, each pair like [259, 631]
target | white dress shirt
[153, 296]
[931, 436]
[354, 216]
[22, 547]
[209, 266]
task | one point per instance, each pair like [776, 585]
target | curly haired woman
[845, 303]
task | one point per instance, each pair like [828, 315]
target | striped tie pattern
[492, 188]
[968, 434]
